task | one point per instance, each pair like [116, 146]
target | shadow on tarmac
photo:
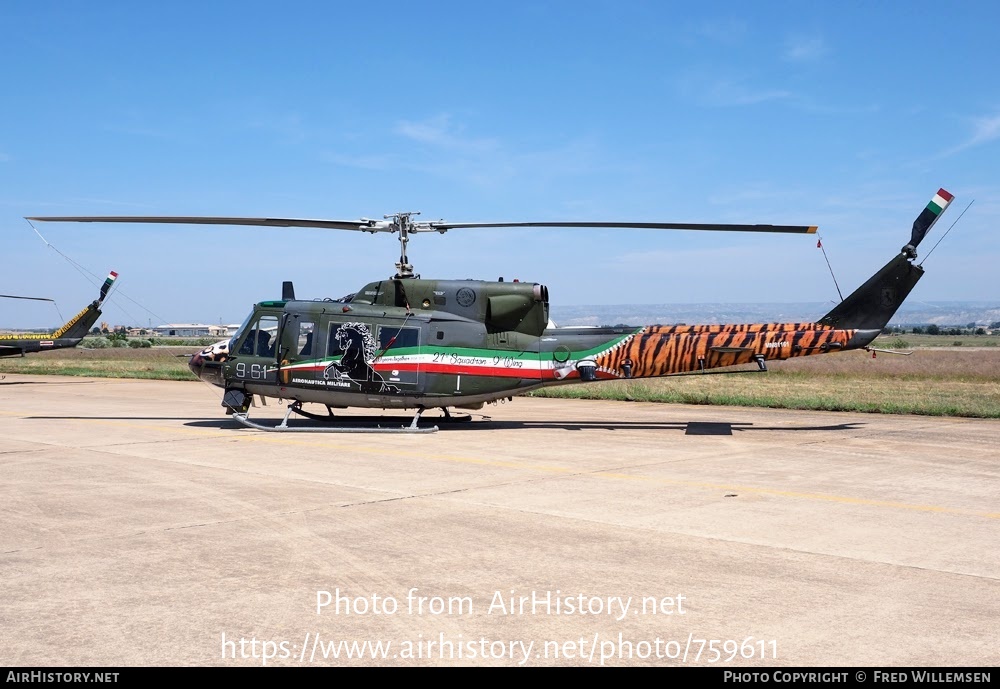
[687, 427]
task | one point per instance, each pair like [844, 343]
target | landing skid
[330, 417]
[462, 418]
[374, 427]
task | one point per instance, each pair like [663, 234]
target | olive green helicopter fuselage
[415, 343]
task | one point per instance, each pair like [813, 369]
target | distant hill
[954, 313]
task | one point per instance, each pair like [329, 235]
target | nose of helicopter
[195, 363]
[207, 364]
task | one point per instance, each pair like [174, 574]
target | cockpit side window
[239, 332]
[259, 339]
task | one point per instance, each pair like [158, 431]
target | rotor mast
[403, 224]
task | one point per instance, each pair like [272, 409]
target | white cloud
[445, 150]
[725, 31]
[365, 162]
[708, 87]
[151, 132]
[804, 48]
[728, 93]
[441, 131]
[289, 127]
[984, 131]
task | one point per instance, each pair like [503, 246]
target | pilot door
[254, 358]
[300, 353]
[398, 357]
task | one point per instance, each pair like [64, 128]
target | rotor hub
[402, 224]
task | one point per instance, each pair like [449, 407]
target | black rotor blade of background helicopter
[799, 229]
[11, 296]
[360, 225]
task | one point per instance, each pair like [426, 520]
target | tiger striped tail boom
[662, 350]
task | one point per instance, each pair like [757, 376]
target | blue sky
[845, 115]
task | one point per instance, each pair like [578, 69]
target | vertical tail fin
[79, 326]
[872, 305]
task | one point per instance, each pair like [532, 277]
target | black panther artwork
[358, 347]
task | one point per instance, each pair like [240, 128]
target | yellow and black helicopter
[412, 343]
[69, 335]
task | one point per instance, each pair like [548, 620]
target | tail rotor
[925, 221]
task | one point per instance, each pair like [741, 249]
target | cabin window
[404, 337]
[305, 341]
[395, 345]
[260, 337]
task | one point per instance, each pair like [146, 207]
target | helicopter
[411, 343]
[69, 335]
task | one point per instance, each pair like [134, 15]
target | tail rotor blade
[112, 276]
[925, 221]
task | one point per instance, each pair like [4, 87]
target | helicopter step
[283, 427]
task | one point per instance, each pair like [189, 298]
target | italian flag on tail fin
[112, 276]
[925, 221]
[940, 201]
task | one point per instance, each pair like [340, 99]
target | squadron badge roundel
[466, 297]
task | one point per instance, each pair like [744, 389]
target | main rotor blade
[799, 229]
[11, 296]
[360, 225]
[383, 226]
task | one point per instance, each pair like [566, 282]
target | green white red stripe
[474, 362]
[112, 276]
[940, 201]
